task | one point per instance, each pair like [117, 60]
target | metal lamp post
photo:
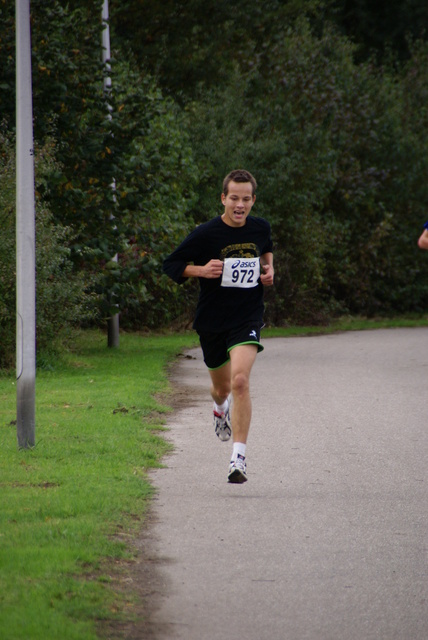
[25, 234]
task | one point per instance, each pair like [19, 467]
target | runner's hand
[266, 277]
[213, 269]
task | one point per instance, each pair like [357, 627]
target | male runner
[232, 257]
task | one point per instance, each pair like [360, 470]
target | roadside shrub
[61, 294]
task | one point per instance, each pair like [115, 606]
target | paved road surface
[328, 539]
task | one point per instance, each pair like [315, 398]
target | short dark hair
[239, 175]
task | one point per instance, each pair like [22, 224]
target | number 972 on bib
[242, 273]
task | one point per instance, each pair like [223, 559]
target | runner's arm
[213, 269]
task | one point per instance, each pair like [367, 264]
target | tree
[380, 27]
[337, 140]
[63, 299]
[140, 144]
[206, 37]
[325, 138]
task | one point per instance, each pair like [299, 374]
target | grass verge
[65, 502]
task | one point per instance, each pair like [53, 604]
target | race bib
[241, 272]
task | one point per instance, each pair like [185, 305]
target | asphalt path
[328, 539]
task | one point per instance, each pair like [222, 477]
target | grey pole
[113, 321]
[25, 234]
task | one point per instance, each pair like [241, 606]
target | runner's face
[237, 203]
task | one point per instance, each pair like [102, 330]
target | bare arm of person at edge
[423, 240]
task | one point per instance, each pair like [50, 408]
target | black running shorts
[216, 346]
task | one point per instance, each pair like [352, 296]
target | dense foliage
[63, 294]
[323, 100]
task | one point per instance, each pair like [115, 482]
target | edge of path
[140, 579]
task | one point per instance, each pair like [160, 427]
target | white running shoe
[238, 470]
[222, 425]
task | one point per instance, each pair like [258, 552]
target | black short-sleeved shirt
[221, 308]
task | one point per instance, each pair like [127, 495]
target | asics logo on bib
[243, 273]
[244, 264]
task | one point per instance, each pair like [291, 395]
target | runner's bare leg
[220, 383]
[242, 359]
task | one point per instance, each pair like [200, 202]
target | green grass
[70, 505]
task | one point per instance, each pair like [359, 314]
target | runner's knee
[221, 390]
[240, 383]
